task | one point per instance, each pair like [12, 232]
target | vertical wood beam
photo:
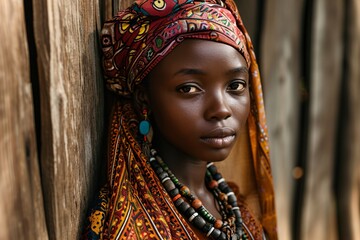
[71, 102]
[347, 173]
[22, 213]
[319, 219]
[281, 75]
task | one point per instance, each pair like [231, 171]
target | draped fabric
[134, 204]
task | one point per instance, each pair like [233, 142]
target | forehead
[200, 54]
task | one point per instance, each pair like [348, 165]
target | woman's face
[199, 99]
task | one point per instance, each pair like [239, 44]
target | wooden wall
[308, 53]
[52, 113]
[280, 46]
[347, 188]
[66, 81]
[319, 213]
[71, 109]
[21, 204]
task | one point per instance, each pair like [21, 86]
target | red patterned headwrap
[139, 37]
[134, 204]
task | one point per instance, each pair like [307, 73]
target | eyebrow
[189, 71]
[193, 71]
[242, 69]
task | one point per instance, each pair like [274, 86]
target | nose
[218, 107]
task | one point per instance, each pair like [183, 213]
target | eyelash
[191, 88]
[239, 83]
[182, 88]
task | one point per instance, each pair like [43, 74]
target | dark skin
[199, 100]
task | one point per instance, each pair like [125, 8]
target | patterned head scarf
[139, 37]
[134, 204]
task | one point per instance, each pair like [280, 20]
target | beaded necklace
[231, 225]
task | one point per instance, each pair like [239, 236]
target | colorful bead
[230, 193]
[163, 175]
[217, 176]
[158, 171]
[195, 214]
[212, 169]
[168, 184]
[210, 231]
[232, 199]
[223, 197]
[223, 186]
[144, 127]
[221, 180]
[196, 203]
[212, 184]
[183, 207]
[189, 212]
[176, 197]
[165, 179]
[199, 222]
[185, 190]
[178, 202]
[205, 214]
[217, 234]
[174, 192]
[218, 224]
[206, 227]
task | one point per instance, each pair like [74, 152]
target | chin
[218, 155]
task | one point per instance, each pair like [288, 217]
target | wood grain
[348, 181]
[66, 34]
[280, 67]
[319, 213]
[21, 206]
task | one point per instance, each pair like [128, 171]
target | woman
[188, 84]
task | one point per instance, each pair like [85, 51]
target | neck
[189, 171]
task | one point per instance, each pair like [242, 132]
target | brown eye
[237, 86]
[188, 89]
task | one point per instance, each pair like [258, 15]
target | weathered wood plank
[71, 109]
[353, 198]
[281, 65]
[348, 182]
[22, 213]
[319, 218]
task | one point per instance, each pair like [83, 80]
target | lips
[219, 137]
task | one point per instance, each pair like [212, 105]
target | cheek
[176, 117]
[242, 109]
[171, 125]
[163, 113]
[173, 114]
[164, 117]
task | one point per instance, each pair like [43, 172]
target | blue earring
[145, 130]
[144, 126]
